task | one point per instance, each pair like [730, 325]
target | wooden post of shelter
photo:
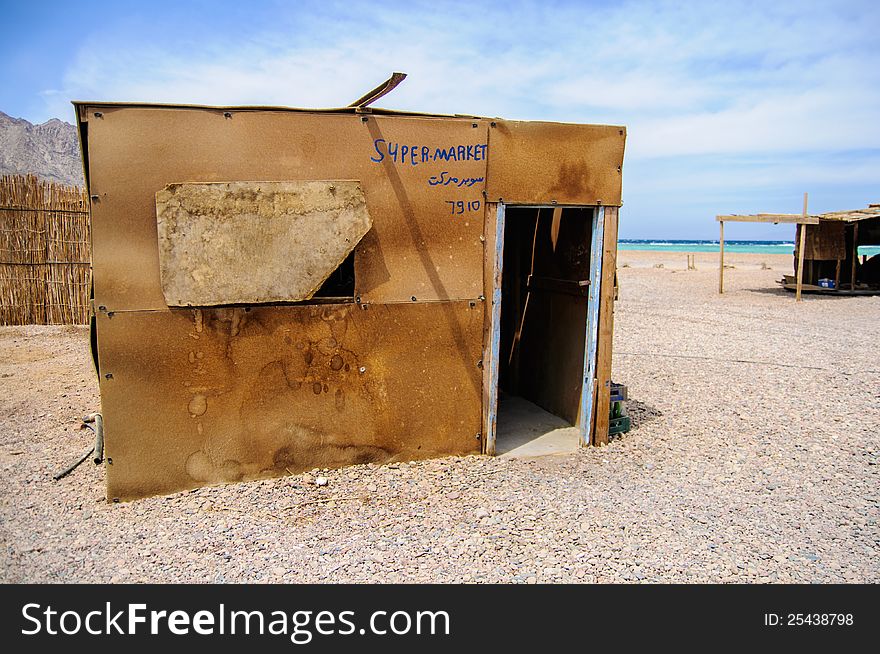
[721, 258]
[801, 246]
[855, 256]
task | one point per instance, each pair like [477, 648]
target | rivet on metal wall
[492, 124]
[475, 125]
[479, 436]
[482, 298]
[109, 375]
[363, 119]
[94, 198]
[413, 298]
[109, 461]
[480, 364]
[357, 299]
[227, 114]
[102, 308]
[362, 370]
[98, 114]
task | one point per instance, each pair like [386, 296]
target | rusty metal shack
[279, 289]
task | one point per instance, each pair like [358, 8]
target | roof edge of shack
[514, 182]
[322, 110]
[317, 110]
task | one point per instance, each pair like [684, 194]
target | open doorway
[545, 291]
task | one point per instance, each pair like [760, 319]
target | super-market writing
[445, 179]
[416, 154]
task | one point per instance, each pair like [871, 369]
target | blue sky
[731, 107]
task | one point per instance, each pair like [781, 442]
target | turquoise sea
[756, 247]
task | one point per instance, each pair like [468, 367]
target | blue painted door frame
[588, 389]
[585, 415]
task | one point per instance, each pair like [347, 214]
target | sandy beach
[706, 261]
[754, 457]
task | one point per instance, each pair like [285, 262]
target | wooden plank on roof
[851, 216]
[770, 218]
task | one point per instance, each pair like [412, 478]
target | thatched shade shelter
[826, 250]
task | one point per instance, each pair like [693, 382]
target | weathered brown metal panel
[255, 242]
[428, 218]
[193, 397]
[540, 163]
[420, 245]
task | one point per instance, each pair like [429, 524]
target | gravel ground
[754, 458]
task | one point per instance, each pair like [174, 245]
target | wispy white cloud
[705, 77]
[701, 79]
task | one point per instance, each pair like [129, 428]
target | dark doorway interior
[544, 296]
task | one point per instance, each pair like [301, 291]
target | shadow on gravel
[781, 292]
[778, 292]
[640, 413]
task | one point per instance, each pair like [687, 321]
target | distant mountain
[49, 151]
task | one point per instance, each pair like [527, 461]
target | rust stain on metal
[536, 163]
[264, 391]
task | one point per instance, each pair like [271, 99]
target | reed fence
[44, 252]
